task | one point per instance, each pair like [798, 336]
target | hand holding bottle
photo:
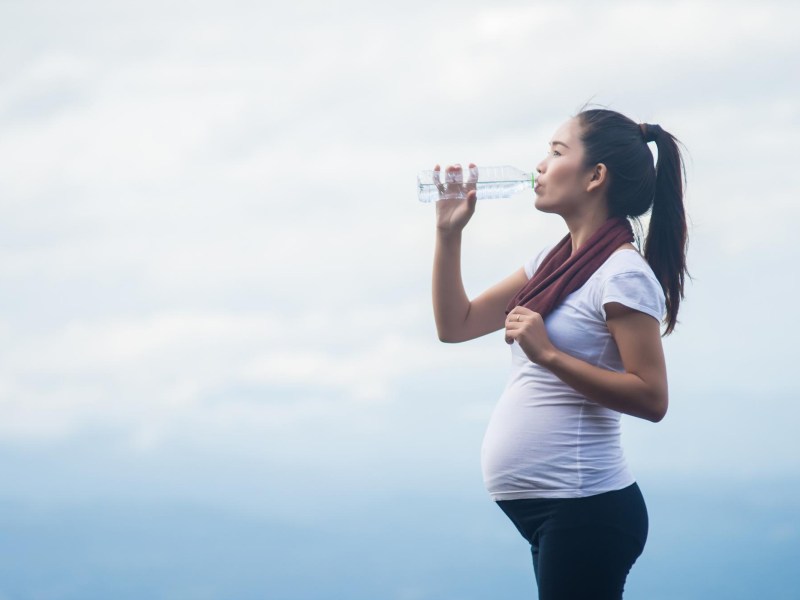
[457, 198]
[494, 183]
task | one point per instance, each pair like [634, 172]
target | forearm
[450, 301]
[629, 393]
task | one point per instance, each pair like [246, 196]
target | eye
[555, 152]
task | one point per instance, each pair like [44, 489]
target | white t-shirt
[546, 440]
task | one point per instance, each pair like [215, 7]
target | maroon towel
[561, 273]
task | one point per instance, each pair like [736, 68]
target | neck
[581, 227]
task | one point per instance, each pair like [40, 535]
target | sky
[215, 273]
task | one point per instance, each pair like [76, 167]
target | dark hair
[636, 186]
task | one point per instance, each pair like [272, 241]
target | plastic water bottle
[493, 183]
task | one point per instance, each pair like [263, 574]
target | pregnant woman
[584, 321]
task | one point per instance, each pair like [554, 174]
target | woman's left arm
[640, 390]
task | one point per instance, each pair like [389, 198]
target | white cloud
[147, 374]
[215, 206]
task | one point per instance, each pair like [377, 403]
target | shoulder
[627, 279]
[626, 260]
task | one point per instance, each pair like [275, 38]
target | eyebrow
[554, 142]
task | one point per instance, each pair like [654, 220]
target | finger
[453, 174]
[514, 329]
[472, 185]
[473, 173]
[514, 318]
[437, 180]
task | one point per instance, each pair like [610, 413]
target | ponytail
[665, 247]
[636, 186]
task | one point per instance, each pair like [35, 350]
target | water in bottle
[492, 183]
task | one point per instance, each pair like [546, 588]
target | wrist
[550, 358]
[448, 235]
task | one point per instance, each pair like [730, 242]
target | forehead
[568, 133]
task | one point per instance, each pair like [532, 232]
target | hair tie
[649, 132]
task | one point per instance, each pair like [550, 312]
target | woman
[583, 321]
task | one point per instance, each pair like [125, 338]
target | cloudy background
[219, 376]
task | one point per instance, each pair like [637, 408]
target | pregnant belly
[547, 445]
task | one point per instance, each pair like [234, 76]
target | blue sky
[215, 275]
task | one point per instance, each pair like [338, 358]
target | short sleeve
[638, 290]
[533, 263]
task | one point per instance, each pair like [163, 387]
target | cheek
[560, 174]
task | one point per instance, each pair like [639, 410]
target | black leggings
[582, 547]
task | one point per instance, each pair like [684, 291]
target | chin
[543, 206]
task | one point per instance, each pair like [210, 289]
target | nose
[541, 167]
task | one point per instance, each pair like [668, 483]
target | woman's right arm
[458, 318]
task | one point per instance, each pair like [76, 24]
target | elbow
[446, 337]
[449, 333]
[659, 410]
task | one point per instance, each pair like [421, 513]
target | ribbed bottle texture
[492, 183]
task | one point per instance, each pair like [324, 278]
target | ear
[598, 177]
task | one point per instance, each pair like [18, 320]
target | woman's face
[562, 176]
